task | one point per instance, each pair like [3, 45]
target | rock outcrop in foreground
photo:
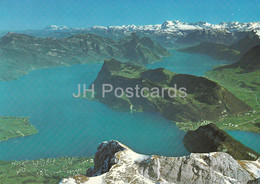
[115, 163]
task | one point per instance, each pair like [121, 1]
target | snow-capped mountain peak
[174, 27]
[56, 28]
[168, 32]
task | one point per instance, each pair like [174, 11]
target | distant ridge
[165, 34]
[22, 53]
[249, 62]
[176, 27]
[226, 52]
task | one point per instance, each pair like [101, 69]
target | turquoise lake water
[194, 64]
[74, 127]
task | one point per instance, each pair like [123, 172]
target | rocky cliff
[210, 138]
[116, 163]
[205, 100]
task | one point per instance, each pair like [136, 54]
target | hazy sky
[37, 14]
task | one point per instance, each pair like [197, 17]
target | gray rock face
[120, 164]
[104, 158]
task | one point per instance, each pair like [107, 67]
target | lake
[74, 127]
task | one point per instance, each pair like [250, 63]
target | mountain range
[221, 36]
[22, 53]
[165, 34]
[169, 27]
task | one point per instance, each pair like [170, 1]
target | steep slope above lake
[249, 62]
[210, 138]
[205, 100]
[215, 50]
[225, 52]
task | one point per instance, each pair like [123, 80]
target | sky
[37, 14]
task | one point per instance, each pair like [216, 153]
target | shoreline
[15, 127]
